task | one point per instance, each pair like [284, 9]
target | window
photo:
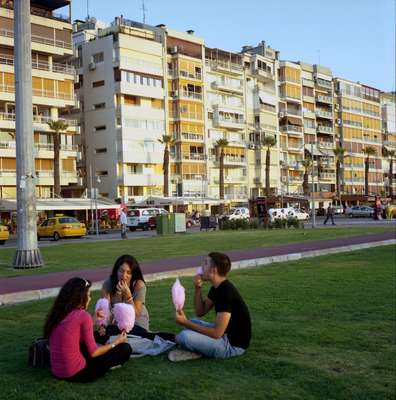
[100, 128]
[98, 57]
[99, 106]
[68, 220]
[101, 150]
[98, 84]
[102, 173]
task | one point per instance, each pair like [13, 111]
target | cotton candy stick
[178, 295]
[200, 271]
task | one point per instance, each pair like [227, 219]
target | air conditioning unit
[173, 50]
[336, 107]
[281, 114]
[252, 146]
[339, 121]
[284, 179]
[92, 66]
[174, 93]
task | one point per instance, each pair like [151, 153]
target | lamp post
[312, 191]
[96, 207]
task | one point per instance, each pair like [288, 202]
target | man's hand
[198, 281]
[180, 317]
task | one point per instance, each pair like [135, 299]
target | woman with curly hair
[74, 354]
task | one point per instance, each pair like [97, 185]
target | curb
[31, 295]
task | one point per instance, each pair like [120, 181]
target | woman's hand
[121, 338]
[123, 288]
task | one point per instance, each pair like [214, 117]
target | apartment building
[358, 126]
[186, 118]
[122, 99]
[306, 127]
[53, 95]
[226, 119]
[388, 109]
[261, 90]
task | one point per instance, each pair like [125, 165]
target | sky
[354, 38]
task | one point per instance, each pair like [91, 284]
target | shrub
[294, 223]
[279, 223]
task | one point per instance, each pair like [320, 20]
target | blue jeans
[217, 348]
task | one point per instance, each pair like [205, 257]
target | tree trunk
[57, 185]
[165, 168]
[391, 178]
[267, 172]
[366, 175]
[338, 179]
[305, 183]
[221, 181]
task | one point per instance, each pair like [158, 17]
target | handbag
[39, 354]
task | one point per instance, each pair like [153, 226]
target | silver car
[360, 211]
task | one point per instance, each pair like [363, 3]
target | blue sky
[355, 38]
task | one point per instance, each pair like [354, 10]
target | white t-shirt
[123, 218]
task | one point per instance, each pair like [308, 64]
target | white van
[139, 217]
[238, 213]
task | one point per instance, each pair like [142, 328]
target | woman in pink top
[69, 328]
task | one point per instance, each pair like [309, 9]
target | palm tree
[391, 155]
[268, 141]
[220, 145]
[57, 126]
[339, 154]
[166, 140]
[307, 167]
[368, 151]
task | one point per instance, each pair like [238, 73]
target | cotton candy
[124, 316]
[200, 271]
[104, 305]
[178, 295]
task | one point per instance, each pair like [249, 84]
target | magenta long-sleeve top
[65, 341]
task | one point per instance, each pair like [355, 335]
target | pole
[27, 254]
[312, 191]
[90, 196]
[96, 212]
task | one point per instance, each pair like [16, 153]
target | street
[116, 235]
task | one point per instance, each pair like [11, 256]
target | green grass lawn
[323, 328]
[74, 256]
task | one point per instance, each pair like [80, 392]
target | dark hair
[137, 274]
[221, 261]
[73, 295]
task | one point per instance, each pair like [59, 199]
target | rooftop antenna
[87, 9]
[318, 56]
[144, 9]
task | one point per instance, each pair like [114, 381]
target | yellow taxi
[4, 234]
[61, 226]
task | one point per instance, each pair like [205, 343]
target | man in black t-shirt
[230, 335]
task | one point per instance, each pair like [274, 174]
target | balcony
[129, 179]
[188, 75]
[264, 75]
[230, 161]
[186, 115]
[324, 114]
[354, 165]
[296, 179]
[231, 179]
[356, 179]
[187, 157]
[292, 129]
[224, 66]
[189, 137]
[185, 94]
[291, 111]
[39, 121]
[324, 129]
[134, 64]
[227, 87]
[295, 146]
[224, 122]
[40, 39]
[327, 145]
[63, 68]
[323, 83]
[324, 99]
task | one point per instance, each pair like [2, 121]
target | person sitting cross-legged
[230, 335]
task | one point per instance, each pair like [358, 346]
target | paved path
[56, 279]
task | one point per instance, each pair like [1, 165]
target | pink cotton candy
[178, 295]
[200, 271]
[124, 316]
[104, 305]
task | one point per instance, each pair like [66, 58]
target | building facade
[53, 97]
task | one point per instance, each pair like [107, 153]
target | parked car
[338, 210]
[276, 213]
[139, 218]
[4, 234]
[301, 215]
[238, 213]
[360, 211]
[61, 226]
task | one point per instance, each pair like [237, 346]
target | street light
[96, 206]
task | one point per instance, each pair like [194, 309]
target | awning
[316, 151]
[267, 98]
[61, 204]
[293, 120]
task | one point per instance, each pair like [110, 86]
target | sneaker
[182, 355]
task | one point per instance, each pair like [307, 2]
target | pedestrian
[123, 222]
[330, 214]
